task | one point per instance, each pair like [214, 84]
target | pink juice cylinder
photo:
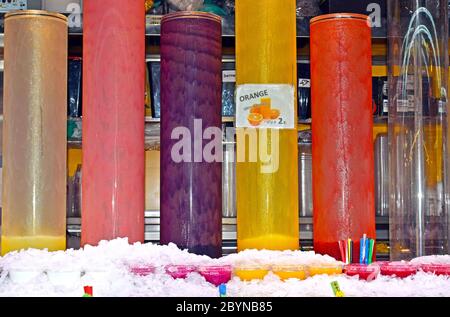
[113, 123]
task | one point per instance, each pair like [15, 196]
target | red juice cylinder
[342, 154]
[191, 180]
[113, 123]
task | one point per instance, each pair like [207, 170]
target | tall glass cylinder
[418, 74]
[34, 131]
[113, 121]
[266, 54]
[191, 135]
[342, 136]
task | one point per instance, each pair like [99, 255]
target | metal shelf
[229, 235]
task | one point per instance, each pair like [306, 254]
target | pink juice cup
[216, 274]
[180, 271]
[142, 269]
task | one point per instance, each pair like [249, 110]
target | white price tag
[304, 83]
[229, 76]
[265, 106]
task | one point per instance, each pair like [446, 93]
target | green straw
[371, 245]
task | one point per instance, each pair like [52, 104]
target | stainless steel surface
[381, 148]
[305, 174]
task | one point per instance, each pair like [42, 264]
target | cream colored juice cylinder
[35, 129]
[267, 203]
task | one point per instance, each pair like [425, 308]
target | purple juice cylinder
[191, 99]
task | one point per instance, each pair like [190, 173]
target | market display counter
[116, 268]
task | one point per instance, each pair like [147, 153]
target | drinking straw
[347, 251]
[372, 244]
[223, 290]
[366, 251]
[362, 251]
[350, 250]
[341, 249]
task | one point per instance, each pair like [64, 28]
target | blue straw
[367, 248]
[223, 290]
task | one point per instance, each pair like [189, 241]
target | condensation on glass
[418, 67]
[34, 135]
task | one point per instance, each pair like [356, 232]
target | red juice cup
[438, 269]
[365, 272]
[180, 271]
[216, 275]
[398, 269]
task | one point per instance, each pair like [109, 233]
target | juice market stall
[225, 149]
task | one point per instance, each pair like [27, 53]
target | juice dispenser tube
[113, 123]
[418, 128]
[191, 100]
[34, 131]
[267, 192]
[343, 159]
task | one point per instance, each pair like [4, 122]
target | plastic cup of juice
[398, 269]
[142, 269]
[180, 271]
[328, 269]
[285, 272]
[365, 272]
[251, 272]
[438, 269]
[216, 275]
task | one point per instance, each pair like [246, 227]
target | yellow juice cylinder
[267, 203]
[34, 131]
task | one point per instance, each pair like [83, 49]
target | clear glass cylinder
[418, 67]
[35, 129]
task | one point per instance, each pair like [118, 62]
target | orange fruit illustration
[274, 113]
[255, 109]
[265, 111]
[255, 119]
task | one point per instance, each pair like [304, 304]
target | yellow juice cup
[285, 272]
[251, 272]
[328, 269]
